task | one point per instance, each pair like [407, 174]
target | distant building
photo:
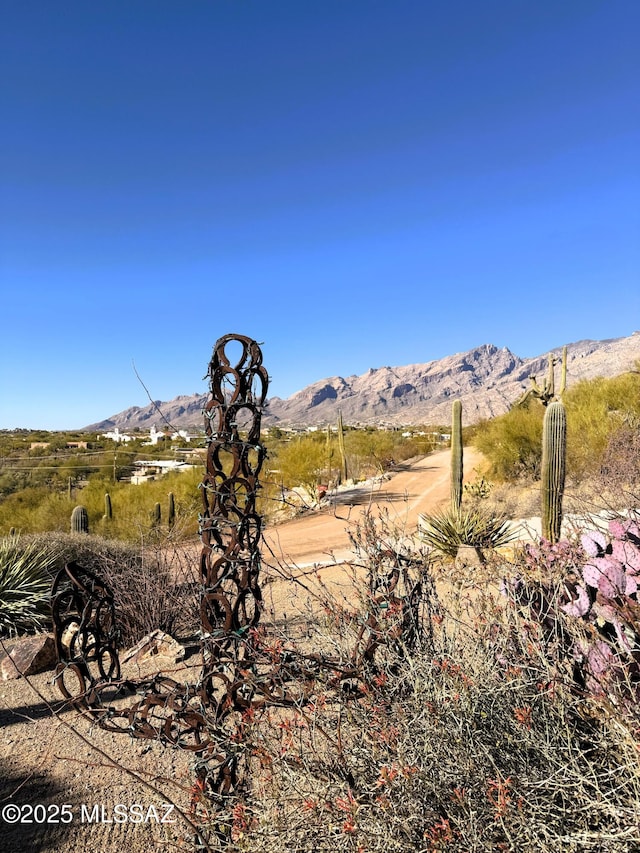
[149, 469]
[117, 436]
[154, 437]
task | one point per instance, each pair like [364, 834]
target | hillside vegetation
[603, 421]
[39, 487]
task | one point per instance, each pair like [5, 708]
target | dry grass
[462, 727]
[466, 733]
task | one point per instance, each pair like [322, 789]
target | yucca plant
[478, 527]
[26, 572]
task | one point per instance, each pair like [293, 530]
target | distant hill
[486, 379]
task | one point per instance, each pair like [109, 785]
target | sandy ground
[76, 774]
[415, 488]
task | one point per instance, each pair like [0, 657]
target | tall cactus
[554, 452]
[456, 456]
[157, 514]
[108, 509]
[79, 520]
[344, 472]
[171, 516]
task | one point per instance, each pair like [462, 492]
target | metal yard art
[237, 672]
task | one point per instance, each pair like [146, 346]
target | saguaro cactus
[108, 510]
[554, 452]
[79, 520]
[157, 514]
[344, 472]
[171, 516]
[456, 456]
[547, 393]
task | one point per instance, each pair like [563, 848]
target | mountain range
[486, 379]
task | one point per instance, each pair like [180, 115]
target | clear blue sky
[354, 183]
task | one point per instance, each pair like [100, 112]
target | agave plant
[26, 571]
[478, 527]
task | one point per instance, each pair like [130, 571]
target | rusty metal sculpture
[189, 716]
[236, 673]
[230, 526]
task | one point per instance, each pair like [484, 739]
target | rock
[28, 656]
[156, 643]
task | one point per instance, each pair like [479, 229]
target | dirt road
[321, 538]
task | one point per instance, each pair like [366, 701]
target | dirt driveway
[321, 538]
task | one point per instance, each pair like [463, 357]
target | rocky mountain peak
[487, 379]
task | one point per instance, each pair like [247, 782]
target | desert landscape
[320, 427]
[52, 755]
[401, 617]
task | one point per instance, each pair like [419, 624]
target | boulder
[28, 656]
[157, 643]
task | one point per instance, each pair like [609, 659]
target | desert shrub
[467, 739]
[301, 462]
[26, 572]
[512, 442]
[477, 526]
[369, 451]
[596, 410]
[455, 753]
[474, 736]
[153, 585]
[620, 463]
[159, 591]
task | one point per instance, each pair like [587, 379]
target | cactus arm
[563, 378]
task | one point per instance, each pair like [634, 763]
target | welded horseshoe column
[230, 527]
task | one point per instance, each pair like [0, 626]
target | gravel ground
[75, 773]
